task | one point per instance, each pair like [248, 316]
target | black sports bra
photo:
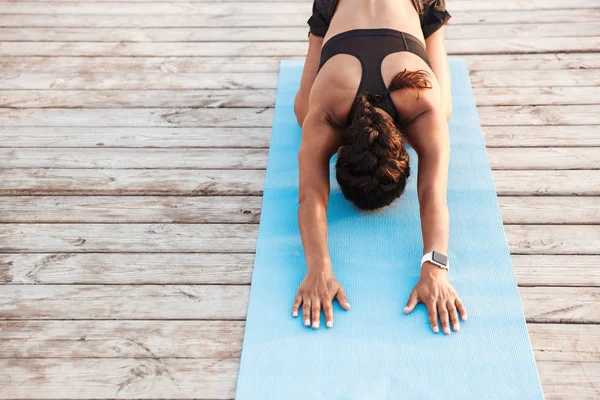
[371, 46]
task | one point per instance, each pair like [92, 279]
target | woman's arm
[311, 65]
[436, 51]
[319, 287]
[432, 145]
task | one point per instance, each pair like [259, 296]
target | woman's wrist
[319, 265]
[431, 271]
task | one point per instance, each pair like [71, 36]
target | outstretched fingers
[342, 299]
[413, 300]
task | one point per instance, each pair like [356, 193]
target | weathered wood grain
[132, 117]
[553, 239]
[298, 19]
[550, 210]
[186, 65]
[234, 268]
[215, 137]
[247, 209]
[227, 98]
[156, 137]
[253, 7]
[204, 378]
[124, 302]
[209, 238]
[162, 98]
[542, 95]
[539, 115]
[561, 304]
[254, 34]
[556, 270]
[541, 304]
[531, 136]
[264, 48]
[128, 268]
[512, 78]
[217, 339]
[218, 238]
[149, 339]
[163, 80]
[45, 181]
[165, 209]
[124, 378]
[263, 117]
[531, 158]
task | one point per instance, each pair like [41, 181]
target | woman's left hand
[440, 298]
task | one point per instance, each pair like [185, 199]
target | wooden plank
[532, 158]
[252, 98]
[298, 19]
[220, 238]
[556, 270]
[137, 81]
[553, 239]
[164, 98]
[147, 378]
[75, 137]
[180, 158]
[560, 304]
[131, 117]
[249, 182]
[561, 380]
[234, 268]
[526, 136]
[73, 302]
[242, 82]
[539, 115]
[96, 137]
[246, 209]
[187, 238]
[549, 210]
[252, 7]
[143, 339]
[543, 183]
[263, 48]
[127, 268]
[263, 117]
[161, 209]
[163, 302]
[253, 34]
[124, 378]
[186, 65]
[510, 78]
[217, 339]
[524, 96]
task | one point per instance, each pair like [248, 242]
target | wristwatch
[434, 257]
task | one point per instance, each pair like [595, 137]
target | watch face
[440, 258]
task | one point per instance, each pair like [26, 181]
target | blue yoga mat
[374, 351]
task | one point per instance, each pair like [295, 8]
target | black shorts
[432, 13]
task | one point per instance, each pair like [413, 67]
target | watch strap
[437, 258]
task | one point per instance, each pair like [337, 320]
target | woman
[376, 75]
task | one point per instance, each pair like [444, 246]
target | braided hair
[372, 168]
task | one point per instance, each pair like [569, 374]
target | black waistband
[374, 32]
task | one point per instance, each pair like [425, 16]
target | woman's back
[338, 79]
[366, 14]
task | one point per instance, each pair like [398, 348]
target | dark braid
[373, 166]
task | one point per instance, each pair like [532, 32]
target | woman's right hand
[317, 290]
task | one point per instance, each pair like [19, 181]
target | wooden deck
[133, 146]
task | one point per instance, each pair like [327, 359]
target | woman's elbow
[300, 108]
[448, 112]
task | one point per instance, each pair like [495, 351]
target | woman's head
[373, 165]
